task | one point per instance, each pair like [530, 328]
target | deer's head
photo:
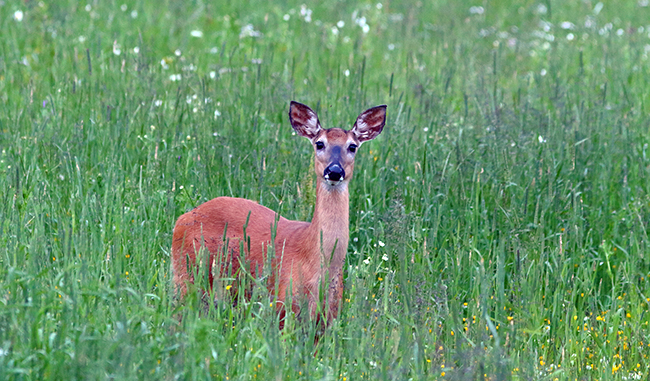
[335, 147]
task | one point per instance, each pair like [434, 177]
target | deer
[308, 255]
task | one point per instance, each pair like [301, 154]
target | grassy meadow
[498, 225]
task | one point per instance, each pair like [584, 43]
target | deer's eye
[352, 148]
[320, 145]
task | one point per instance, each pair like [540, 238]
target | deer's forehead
[336, 135]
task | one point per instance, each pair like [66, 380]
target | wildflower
[18, 15]
[476, 10]
[116, 48]
[196, 33]
[249, 31]
[567, 25]
[305, 13]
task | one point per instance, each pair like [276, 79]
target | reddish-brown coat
[305, 253]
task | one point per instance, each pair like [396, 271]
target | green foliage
[498, 225]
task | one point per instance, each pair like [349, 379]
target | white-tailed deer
[305, 253]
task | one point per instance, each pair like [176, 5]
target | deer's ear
[304, 120]
[370, 123]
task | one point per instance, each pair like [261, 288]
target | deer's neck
[330, 226]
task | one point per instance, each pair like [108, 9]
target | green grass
[499, 225]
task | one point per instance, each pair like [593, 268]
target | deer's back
[208, 224]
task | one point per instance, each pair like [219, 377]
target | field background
[499, 225]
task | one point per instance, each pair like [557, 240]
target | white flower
[567, 25]
[476, 10]
[213, 74]
[286, 17]
[214, 50]
[164, 65]
[217, 113]
[196, 33]
[570, 36]
[542, 72]
[18, 16]
[136, 50]
[158, 103]
[367, 261]
[541, 139]
[391, 46]
[177, 52]
[116, 48]
[123, 7]
[365, 28]
[379, 5]
[249, 31]
[347, 73]
[598, 7]
[384, 257]
[306, 13]
[335, 30]
[340, 24]
[175, 77]
[134, 14]
[381, 244]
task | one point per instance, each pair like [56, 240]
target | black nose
[334, 172]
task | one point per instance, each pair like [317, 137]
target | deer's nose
[334, 172]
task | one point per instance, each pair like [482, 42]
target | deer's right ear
[304, 120]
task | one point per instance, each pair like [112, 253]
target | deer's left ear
[370, 123]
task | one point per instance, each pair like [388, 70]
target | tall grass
[498, 225]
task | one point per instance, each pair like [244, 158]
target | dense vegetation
[498, 225]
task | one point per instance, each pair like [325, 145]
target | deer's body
[306, 254]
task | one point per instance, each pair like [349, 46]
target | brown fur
[300, 262]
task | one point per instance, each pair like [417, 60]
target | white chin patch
[332, 182]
